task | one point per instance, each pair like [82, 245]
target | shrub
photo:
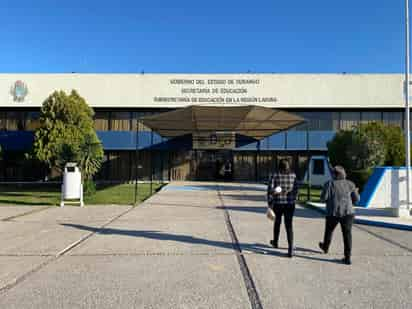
[89, 187]
[392, 139]
[360, 177]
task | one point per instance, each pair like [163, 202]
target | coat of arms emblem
[19, 91]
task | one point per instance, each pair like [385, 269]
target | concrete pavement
[176, 251]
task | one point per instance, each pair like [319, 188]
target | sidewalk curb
[402, 227]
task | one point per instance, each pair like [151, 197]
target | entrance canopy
[253, 121]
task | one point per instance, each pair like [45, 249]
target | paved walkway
[193, 245]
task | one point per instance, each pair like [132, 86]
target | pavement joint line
[54, 258]
[58, 222]
[26, 255]
[84, 238]
[244, 252]
[225, 254]
[23, 277]
[244, 269]
[26, 213]
[155, 254]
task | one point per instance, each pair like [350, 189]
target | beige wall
[164, 90]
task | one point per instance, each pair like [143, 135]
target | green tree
[355, 150]
[366, 146]
[66, 134]
[391, 136]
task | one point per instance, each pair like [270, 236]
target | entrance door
[214, 165]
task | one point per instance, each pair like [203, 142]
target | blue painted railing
[371, 187]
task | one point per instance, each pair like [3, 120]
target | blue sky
[211, 36]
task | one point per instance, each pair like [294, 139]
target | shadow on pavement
[299, 212]
[24, 203]
[308, 250]
[158, 235]
[240, 197]
[313, 258]
[228, 187]
[156, 204]
[261, 210]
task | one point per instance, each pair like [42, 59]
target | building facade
[329, 102]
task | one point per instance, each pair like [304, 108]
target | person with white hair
[339, 195]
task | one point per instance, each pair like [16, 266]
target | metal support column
[256, 166]
[161, 166]
[136, 189]
[407, 115]
[308, 155]
[151, 162]
[257, 161]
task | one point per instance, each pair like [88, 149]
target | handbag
[270, 214]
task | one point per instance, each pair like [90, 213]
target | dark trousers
[346, 227]
[287, 210]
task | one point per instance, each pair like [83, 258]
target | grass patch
[314, 194]
[120, 194]
[31, 196]
[43, 195]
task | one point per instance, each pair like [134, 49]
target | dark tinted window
[318, 167]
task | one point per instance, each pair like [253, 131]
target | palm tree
[91, 156]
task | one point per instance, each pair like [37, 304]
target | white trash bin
[72, 187]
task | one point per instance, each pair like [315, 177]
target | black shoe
[274, 245]
[347, 261]
[291, 253]
[323, 248]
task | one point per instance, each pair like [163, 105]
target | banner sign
[215, 91]
[214, 140]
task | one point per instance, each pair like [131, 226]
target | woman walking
[339, 195]
[282, 193]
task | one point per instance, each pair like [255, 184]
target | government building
[122, 102]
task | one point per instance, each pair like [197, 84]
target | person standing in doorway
[339, 195]
[227, 170]
[282, 194]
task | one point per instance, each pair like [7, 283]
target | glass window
[348, 120]
[101, 121]
[15, 121]
[370, 116]
[319, 120]
[318, 167]
[32, 121]
[120, 167]
[137, 115]
[393, 118]
[410, 123]
[120, 121]
[2, 121]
